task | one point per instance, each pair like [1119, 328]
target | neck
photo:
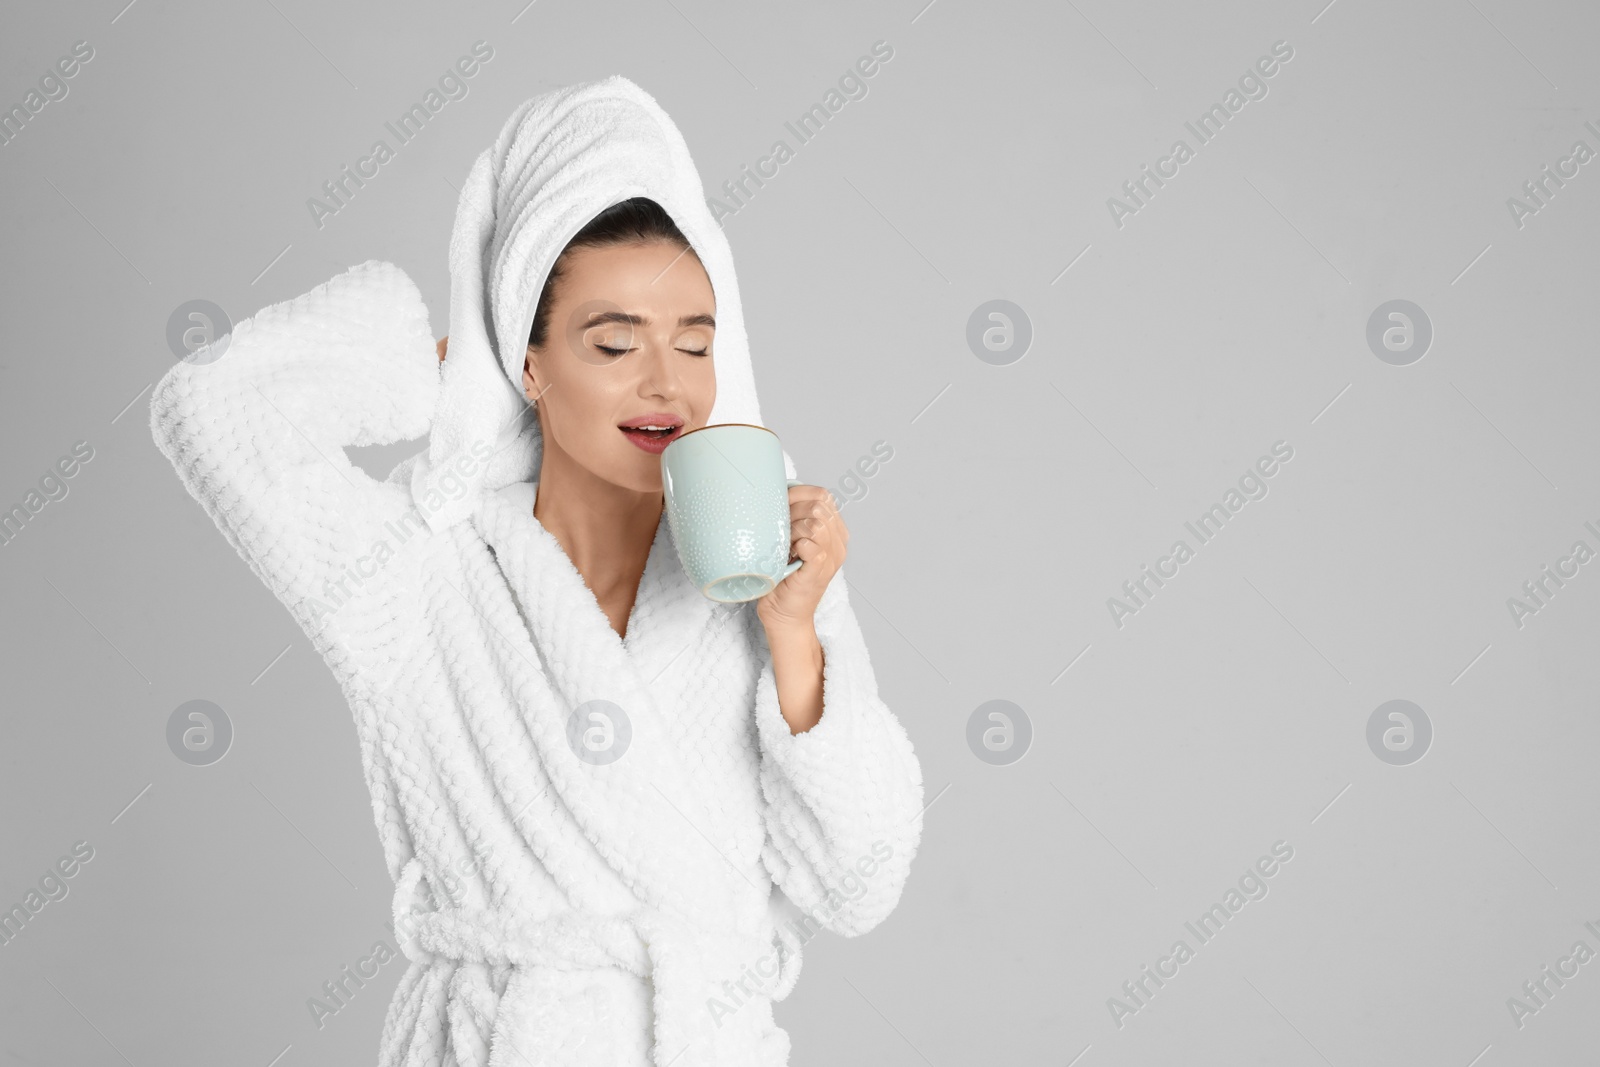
[606, 529]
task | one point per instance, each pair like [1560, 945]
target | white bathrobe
[555, 910]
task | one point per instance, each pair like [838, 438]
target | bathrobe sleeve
[258, 435]
[844, 799]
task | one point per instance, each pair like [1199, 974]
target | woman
[514, 588]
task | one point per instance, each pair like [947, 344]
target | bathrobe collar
[635, 808]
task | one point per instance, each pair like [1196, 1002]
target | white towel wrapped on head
[560, 160]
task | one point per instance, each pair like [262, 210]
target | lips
[654, 441]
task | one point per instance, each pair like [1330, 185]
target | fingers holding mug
[812, 512]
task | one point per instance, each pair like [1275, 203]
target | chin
[647, 485]
[633, 468]
[642, 475]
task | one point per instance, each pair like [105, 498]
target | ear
[530, 382]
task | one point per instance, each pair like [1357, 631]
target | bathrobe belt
[567, 942]
[574, 940]
[687, 964]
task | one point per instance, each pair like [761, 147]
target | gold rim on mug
[714, 425]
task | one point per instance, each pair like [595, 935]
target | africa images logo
[1252, 86]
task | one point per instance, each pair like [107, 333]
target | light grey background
[1227, 314]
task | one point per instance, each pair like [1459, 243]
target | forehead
[657, 272]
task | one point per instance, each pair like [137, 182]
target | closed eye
[624, 351]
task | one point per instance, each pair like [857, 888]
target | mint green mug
[727, 503]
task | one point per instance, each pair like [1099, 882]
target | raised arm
[844, 798]
[258, 435]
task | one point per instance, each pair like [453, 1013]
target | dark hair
[636, 221]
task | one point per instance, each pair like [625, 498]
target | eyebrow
[603, 317]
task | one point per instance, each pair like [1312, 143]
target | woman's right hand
[441, 345]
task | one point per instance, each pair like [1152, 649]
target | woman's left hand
[819, 537]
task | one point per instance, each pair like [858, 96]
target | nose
[658, 375]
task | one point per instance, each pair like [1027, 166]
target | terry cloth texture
[554, 910]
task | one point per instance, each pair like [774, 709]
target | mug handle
[791, 568]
